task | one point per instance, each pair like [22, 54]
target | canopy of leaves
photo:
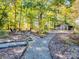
[37, 14]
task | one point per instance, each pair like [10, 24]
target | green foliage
[3, 33]
[25, 13]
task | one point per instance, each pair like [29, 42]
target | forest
[39, 29]
[37, 15]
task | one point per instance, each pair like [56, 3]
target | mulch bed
[61, 48]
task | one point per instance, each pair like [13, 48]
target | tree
[3, 14]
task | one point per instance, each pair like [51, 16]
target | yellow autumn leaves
[65, 11]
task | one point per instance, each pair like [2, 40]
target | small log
[13, 44]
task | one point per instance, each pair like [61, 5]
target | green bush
[3, 33]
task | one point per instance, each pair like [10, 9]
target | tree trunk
[15, 13]
[20, 17]
[40, 18]
[31, 24]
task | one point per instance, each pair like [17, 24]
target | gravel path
[38, 48]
